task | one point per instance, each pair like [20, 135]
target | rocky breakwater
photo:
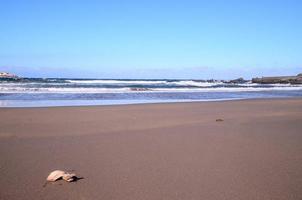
[279, 79]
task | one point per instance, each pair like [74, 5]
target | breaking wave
[109, 91]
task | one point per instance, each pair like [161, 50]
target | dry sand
[155, 151]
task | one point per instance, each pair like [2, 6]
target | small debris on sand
[59, 174]
[219, 120]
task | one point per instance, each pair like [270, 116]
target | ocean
[38, 92]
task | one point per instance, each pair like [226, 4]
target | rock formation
[238, 81]
[279, 79]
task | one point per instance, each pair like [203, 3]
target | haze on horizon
[154, 39]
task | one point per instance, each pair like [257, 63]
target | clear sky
[151, 39]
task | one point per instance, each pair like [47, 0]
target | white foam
[147, 82]
[117, 82]
[195, 83]
[62, 90]
[129, 90]
[229, 89]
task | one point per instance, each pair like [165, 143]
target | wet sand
[155, 151]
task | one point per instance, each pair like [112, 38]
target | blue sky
[151, 39]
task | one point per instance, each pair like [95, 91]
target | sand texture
[155, 151]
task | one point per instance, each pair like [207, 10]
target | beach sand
[155, 151]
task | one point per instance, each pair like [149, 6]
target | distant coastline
[263, 80]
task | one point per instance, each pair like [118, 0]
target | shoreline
[155, 151]
[81, 103]
[96, 103]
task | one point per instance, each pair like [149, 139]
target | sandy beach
[155, 151]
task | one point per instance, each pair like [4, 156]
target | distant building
[7, 75]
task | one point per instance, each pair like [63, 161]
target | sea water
[37, 92]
